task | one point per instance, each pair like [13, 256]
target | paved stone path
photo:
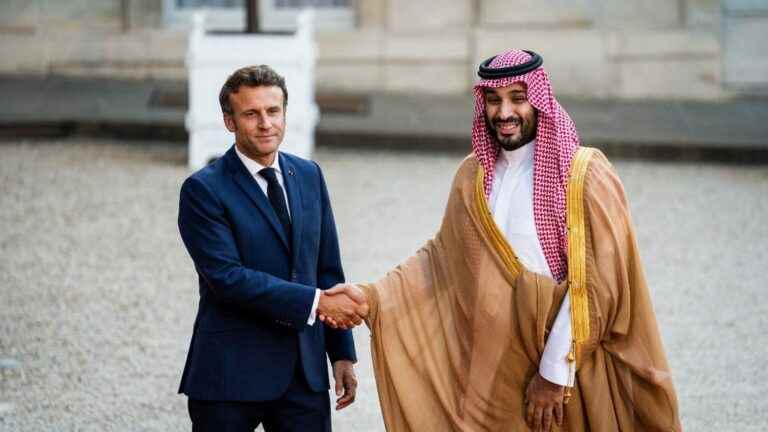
[97, 295]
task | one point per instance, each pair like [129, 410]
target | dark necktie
[277, 199]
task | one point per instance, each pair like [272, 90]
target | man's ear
[229, 122]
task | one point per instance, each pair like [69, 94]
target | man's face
[257, 120]
[511, 119]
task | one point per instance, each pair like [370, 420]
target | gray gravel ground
[97, 295]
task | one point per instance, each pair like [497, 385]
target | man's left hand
[346, 383]
[544, 401]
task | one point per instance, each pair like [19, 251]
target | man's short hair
[251, 76]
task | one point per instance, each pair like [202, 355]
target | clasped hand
[342, 307]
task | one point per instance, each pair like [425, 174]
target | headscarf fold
[556, 144]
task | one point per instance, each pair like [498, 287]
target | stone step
[734, 130]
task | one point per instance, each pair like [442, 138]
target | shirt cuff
[313, 311]
[556, 372]
[554, 366]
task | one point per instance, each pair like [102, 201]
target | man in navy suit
[259, 228]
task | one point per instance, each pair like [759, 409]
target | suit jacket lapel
[293, 191]
[248, 184]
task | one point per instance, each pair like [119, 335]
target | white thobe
[512, 207]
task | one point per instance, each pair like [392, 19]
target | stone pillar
[745, 52]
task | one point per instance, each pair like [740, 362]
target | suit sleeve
[210, 242]
[339, 344]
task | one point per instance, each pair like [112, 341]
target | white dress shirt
[512, 207]
[254, 167]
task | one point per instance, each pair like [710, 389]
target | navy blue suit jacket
[256, 289]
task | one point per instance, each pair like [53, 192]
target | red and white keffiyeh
[556, 144]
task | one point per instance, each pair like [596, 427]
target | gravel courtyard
[98, 295]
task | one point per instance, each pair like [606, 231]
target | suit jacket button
[294, 276]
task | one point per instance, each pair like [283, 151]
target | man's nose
[264, 122]
[507, 110]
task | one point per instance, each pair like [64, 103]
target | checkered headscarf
[556, 144]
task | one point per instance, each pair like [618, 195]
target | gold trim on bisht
[577, 267]
[577, 256]
[498, 241]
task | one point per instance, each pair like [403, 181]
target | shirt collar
[254, 167]
[519, 157]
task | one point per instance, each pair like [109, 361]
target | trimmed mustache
[514, 120]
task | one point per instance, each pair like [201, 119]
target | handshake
[342, 307]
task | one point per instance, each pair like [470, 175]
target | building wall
[89, 38]
[591, 48]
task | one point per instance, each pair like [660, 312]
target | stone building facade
[604, 49]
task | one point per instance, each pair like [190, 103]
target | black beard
[509, 146]
[527, 134]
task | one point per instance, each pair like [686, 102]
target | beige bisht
[459, 328]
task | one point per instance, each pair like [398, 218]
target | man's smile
[507, 127]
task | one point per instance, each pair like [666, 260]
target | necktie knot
[269, 174]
